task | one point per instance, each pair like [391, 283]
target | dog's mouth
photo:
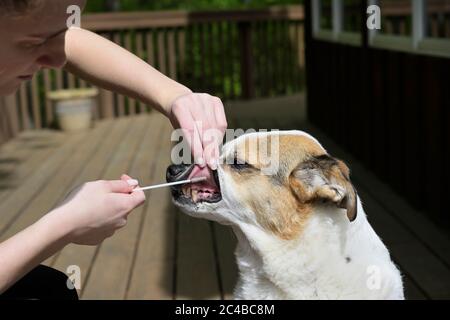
[204, 191]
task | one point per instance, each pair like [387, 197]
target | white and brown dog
[302, 231]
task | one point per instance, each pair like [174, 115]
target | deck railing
[232, 54]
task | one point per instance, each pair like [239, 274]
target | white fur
[314, 265]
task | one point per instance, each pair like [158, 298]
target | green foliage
[142, 5]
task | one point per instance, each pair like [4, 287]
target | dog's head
[301, 178]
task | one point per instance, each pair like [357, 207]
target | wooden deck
[163, 254]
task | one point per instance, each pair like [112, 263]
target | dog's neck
[320, 263]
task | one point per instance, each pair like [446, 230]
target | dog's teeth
[194, 195]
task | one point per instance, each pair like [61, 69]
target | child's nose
[52, 61]
[52, 55]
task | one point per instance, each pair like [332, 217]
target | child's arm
[27, 249]
[109, 66]
[87, 216]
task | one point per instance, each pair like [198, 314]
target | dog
[302, 231]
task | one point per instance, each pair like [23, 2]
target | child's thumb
[122, 186]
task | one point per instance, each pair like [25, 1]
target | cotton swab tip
[198, 179]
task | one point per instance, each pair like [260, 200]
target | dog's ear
[324, 178]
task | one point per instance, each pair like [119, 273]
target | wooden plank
[82, 83]
[59, 79]
[225, 241]
[171, 54]
[3, 136]
[161, 51]
[24, 155]
[36, 106]
[152, 276]
[11, 113]
[393, 119]
[140, 53]
[411, 290]
[209, 59]
[195, 257]
[106, 97]
[118, 251]
[222, 53]
[48, 105]
[120, 98]
[202, 41]
[191, 63]
[301, 44]
[25, 114]
[278, 62]
[301, 55]
[230, 34]
[59, 182]
[286, 50]
[11, 208]
[83, 255]
[432, 276]
[129, 46]
[435, 186]
[70, 81]
[267, 59]
[179, 18]
[150, 48]
[181, 54]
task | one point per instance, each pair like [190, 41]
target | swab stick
[193, 180]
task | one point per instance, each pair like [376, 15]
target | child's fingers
[121, 186]
[125, 177]
[129, 180]
[132, 200]
[137, 198]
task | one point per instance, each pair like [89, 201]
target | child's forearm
[27, 249]
[109, 66]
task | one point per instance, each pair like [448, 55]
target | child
[34, 35]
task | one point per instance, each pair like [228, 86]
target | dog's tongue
[198, 171]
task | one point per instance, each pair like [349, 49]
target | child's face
[32, 41]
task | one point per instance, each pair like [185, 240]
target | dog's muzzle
[192, 193]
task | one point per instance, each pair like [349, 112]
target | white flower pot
[74, 108]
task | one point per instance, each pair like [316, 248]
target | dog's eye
[240, 165]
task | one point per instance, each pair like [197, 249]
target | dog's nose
[177, 172]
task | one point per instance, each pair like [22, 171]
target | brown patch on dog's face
[282, 202]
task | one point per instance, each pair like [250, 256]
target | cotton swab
[193, 180]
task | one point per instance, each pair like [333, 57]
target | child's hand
[97, 209]
[202, 119]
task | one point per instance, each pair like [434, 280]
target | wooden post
[106, 104]
[182, 54]
[245, 41]
[12, 115]
[3, 120]
[48, 106]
